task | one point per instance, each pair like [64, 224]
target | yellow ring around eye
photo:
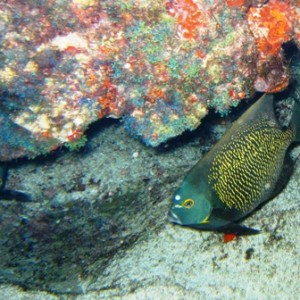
[188, 203]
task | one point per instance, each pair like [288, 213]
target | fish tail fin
[296, 120]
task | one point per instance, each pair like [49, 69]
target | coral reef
[158, 65]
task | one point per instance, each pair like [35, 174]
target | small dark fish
[3, 175]
[10, 194]
[244, 169]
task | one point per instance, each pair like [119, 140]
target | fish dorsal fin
[263, 108]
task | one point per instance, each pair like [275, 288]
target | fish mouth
[172, 217]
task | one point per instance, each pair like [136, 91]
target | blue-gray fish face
[189, 207]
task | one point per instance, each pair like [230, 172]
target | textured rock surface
[86, 207]
[160, 65]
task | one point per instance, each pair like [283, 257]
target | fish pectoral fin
[238, 229]
[15, 195]
[228, 215]
[231, 226]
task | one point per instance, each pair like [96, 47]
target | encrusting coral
[158, 65]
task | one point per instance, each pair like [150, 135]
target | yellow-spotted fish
[244, 169]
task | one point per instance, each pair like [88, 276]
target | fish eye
[188, 203]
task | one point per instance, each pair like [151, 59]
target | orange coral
[86, 14]
[280, 86]
[235, 3]
[160, 71]
[155, 93]
[91, 80]
[271, 26]
[109, 92]
[267, 48]
[75, 135]
[189, 17]
[236, 94]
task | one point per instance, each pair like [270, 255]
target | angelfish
[246, 168]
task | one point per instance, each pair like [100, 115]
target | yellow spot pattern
[248, 165]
